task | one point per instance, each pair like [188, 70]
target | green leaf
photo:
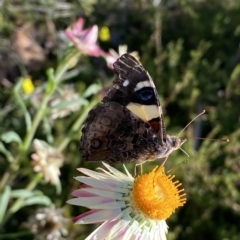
[79, 101]
[8, 154]
[10, 136]
[92, 90]
[4, 199]
[51, 85]
[21, 103]
[27, 198]
[23, 193]
[41, 200]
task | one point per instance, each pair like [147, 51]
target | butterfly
[128, 124]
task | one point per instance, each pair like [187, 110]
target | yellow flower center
[156, 195]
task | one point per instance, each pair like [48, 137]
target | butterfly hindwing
[114, 135]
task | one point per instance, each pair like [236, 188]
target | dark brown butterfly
[128, 124]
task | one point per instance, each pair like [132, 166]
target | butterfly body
[128, 124]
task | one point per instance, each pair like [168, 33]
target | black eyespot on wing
[144, 96]
[96, 143]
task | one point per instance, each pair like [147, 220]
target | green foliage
[191, 50]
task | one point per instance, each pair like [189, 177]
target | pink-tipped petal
[110, 205]
[104, 184]
[83, 193]
[79, 25]
[76, 219]
[102, 232]
[92, 182]
[99, 216]
[91, 35]
[89, 202]
[91, 192]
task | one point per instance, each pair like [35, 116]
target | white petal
[89, 201]
[101, 232]
[131, 230]
[158, 230]
[117, 228]
[129, 175]
[117, 173]
[145, 233]
[125, 214]
[93, 174]
[118, 231]
[104, 184]
[100, 216]
[163, 230]
[104, 193]
[92, 182]
[110, 205]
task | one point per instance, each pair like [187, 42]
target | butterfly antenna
[213, 139]
[201, 113]
[184, 152]
[179, 163]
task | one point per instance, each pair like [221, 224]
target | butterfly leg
[141, 169]
[173, 168]
[165, 159]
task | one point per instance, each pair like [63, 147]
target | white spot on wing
[126, 83]
[143, 84]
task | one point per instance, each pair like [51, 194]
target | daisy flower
[127, 207]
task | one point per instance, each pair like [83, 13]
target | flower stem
[53, 81]
[38, 117]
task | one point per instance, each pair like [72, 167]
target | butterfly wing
[112, 134]
[128, 124]
[134, 89]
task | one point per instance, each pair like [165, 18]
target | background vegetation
[191, 50]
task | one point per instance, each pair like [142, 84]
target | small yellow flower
[27, 85]
[104, 34]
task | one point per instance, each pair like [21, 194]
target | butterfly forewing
[134, 89]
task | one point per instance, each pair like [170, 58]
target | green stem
[76, 126]
[62, 68]
[38, 117]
